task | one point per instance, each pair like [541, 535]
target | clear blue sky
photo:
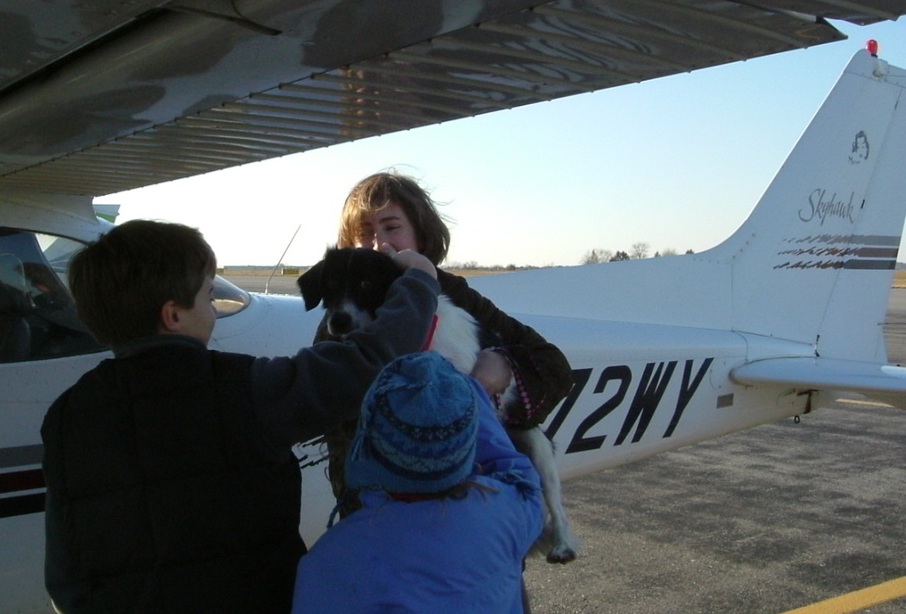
[677, 163]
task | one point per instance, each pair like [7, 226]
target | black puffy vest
[173, 501]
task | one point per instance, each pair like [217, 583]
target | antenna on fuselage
[280, 261]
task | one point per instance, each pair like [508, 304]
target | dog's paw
[554, 548]
[562, 554]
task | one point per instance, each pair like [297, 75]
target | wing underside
[112, 95]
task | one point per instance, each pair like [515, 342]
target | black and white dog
[352, 283]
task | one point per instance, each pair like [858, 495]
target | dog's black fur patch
[358, 275]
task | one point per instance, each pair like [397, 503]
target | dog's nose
[340, 324]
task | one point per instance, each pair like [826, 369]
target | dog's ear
[310, 284]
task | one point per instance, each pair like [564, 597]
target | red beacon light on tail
[873, 47]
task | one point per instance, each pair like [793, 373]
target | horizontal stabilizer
[878, 380]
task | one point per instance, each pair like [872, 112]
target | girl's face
[388, 225]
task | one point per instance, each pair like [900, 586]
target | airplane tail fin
[814, 262]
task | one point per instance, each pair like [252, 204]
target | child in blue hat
[449, 507]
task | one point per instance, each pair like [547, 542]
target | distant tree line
[472, 265]
[638, 251]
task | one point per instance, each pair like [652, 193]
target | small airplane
[772, 323]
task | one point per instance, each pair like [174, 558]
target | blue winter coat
[437, 555]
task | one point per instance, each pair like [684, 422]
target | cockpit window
[37, 314]
[228, 299]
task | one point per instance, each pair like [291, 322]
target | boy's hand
[410, 259]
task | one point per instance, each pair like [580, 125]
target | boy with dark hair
[171, 486]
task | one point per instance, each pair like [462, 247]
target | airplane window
[38, 317]
[37, 314]
[228, 298]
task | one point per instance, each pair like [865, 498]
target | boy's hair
[121, 281]
[381, 189]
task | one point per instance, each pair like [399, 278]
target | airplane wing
[884, 382]
[105, 96]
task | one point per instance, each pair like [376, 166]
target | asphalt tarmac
[763, 521]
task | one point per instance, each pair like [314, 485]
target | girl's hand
[492, 371]
[410, 259]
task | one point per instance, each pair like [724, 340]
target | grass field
[899, 279]
[231, 271]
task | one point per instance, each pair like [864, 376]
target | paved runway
[763, 521]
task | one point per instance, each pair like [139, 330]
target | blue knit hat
[417, 430]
